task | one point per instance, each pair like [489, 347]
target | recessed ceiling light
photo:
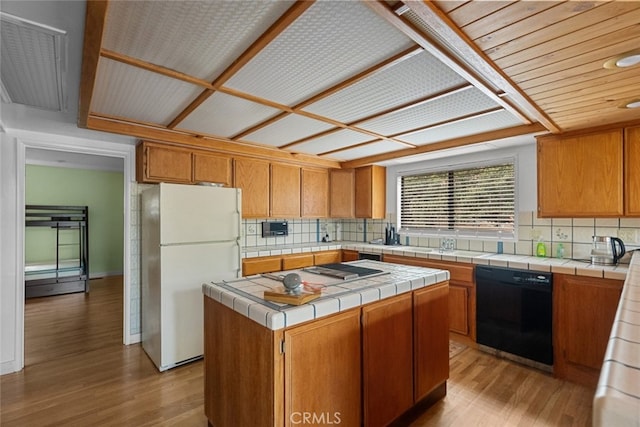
[628, 59]
[634, 103]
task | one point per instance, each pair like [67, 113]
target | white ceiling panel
[199, 38]
[286, 130]
[449, 107]
[332, 141]
[412, 79]
[126, 91]
[330, 42]
[488, 122]
[226, 115]
[372, 149]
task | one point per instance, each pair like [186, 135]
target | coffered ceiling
[350, 82]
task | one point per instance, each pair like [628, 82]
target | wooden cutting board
[285, 298]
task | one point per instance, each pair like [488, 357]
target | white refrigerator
[190, 234]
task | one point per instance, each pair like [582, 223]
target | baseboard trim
[8, 367]
[134, 339]
[100, 275]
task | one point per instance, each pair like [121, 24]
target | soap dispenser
[541, 249]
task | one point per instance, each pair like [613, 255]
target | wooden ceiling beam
[424, 40]
[95, 18]
[471, 54]
[267, 37]
[154, 133]
[451, 143]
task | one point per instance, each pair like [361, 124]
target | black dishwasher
[514, 311]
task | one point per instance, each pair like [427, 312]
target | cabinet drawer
[327, 257]
[260, 265]
[291, 262]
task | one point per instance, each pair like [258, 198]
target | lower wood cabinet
[387, 359]
[327, 257]
[322, 371]
[462, 293]
[349, 255]
[364, 366]
[295, 261]
[270, 264]
[583, 313]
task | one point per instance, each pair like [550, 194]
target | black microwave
[275, 228]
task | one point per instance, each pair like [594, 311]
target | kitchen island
[365, 352]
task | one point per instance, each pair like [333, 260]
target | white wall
[526, 171]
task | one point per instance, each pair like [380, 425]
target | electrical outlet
[628, 235]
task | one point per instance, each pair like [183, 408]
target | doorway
[64, 323]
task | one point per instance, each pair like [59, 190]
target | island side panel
[243, 369]
[431, 339]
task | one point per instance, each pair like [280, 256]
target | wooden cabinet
[632, 171]
[581, 176]
[327, 257]
[342, 193]
[285, 191]
[322, 370]
[583, 313]
[431, 341]
[162, 163]
[387, 359]
[252, 176]
[349, 255]
[315, 193]
[295, 261]
[212, 168]
[268, 264]
[462, 293]
[370, 192]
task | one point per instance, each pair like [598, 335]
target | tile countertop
[617, 398]
[554, 265]
[245, 295]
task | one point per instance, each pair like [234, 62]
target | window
[473, 202]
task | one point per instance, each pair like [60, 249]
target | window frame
[453, 233]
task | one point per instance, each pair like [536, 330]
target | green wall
[101, 191]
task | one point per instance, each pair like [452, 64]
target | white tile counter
[554, 265]
[617, 398]
[245, 295]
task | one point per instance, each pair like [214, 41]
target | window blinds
[469, 202]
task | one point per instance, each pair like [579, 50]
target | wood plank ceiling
[348, 83]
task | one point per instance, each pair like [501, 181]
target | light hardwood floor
[78, 373]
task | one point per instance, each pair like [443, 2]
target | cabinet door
[431, 338]
[285, 191]
[459, 309]
[322, 371]
[315, 193]
[584, 309]
[370, 192]
[341, 193]
[156, 163]
[387, 359]
[581, 176]
[252, 176]
[212, 168]
[632, 171]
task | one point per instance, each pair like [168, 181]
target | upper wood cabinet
[285, 191]
[581, 176]
[162, 163]
[632, 171]
[341, 193]
[315, 193]
[370, 192]
[252, 176]
[212, 168]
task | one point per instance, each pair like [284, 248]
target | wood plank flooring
[78, 373]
